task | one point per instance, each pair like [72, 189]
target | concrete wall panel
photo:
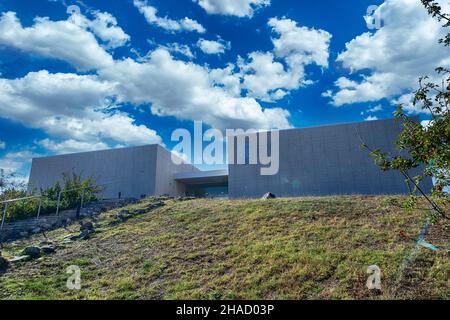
[324, 161]
[166, 170]
[130, 171]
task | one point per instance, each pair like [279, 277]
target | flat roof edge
[101, 150]
[201, 174]
[327, 125]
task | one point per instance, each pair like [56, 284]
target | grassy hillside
[307, 248]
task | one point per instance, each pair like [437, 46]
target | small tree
[427, 146]
[76, 188]
[72, 189]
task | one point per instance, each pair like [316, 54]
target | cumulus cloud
[426, 123]
[406, 100]
[70, 106]
[213, 47]
[403, 49]
[186, 91]
[18, 163]
[96, 126]
[178, 48]
[64, 40]
[150, 14]
[271, 75]
[2, 144]
[82, 112]
[13, 162]
[227, 79]
[10, 165]
[374, 109]
[299, 44]
[267, 79]
[71, 146]
[377, 108]
[104, 26]
[45, 94]
[238, 8]
[371, 118]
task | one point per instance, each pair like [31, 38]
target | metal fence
[6, 203]
[48, 221]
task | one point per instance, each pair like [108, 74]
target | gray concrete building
[316, 161]
[327, 160]
[127, 172]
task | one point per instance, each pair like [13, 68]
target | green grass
[305, 248]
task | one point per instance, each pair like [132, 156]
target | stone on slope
[4, 264]
[33, 252]
[87, 226]
[268, 195]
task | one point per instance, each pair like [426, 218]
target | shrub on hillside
[72, 189]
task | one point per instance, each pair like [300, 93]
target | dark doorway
[207, 190]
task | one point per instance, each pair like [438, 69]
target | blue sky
[124, 73]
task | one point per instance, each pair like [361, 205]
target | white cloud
[62, 40]
[213, 47]
[374, 109]
[294, 48]
[82, 111]
[2, 144]
[377, 108]
[227, 79]
[300, 44]
[104, 26]
[371, 118]
[187, 91]
[265, 78]
[70, 106]
[238, 8]
[10, 165]
[71, 146]
[178, 48]
[17, 162]
[191, 25]
[97, 126]
[396, 55]
[41, 95]
[150, 14]
[426, 123]
[406, 100]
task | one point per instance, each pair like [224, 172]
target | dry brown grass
[305, 248]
